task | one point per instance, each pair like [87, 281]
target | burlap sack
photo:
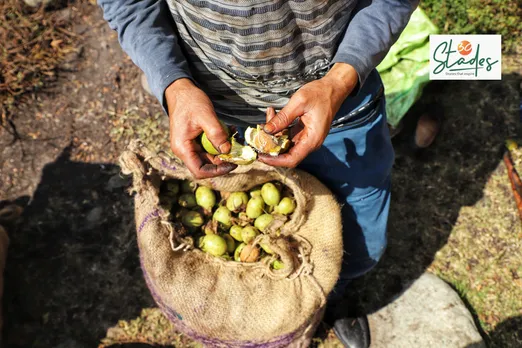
[229, 304]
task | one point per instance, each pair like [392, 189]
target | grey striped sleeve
[249, 57]
[374, 28]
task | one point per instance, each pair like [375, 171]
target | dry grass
[453, 211]
[133, 123]
[482, 258]
[150, 327]
[34, 43]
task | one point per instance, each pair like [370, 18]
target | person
[314, 62]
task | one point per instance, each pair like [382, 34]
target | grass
[482, 258]
[150, 327]
[133, 123]
[482, 253]
[479, 17]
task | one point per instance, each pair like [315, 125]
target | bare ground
[73, 269]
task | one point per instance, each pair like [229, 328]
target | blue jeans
[355, 162]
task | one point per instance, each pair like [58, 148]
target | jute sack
[230, 304]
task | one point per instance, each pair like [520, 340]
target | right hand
[191, 113]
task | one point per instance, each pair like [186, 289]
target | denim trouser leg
[355, 163]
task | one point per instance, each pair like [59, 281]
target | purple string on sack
[164, 164]
[153, 214]
[177, 319]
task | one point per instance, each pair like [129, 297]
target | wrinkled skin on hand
[191, 113]
[315, 105]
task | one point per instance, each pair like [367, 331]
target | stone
[37, 3]
[428, 314]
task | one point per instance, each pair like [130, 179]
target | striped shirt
[247, 58]
[251, 54]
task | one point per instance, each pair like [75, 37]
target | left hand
[315, 104]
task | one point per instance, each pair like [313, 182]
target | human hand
[315, 104]
[191, 113]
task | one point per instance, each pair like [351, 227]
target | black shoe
[353, 332]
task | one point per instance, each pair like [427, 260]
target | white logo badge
[465, 57]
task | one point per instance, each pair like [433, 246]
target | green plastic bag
[405, 69]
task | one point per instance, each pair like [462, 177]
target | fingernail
[225, 147]
[269, 128]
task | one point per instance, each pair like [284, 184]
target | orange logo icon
[464, 47]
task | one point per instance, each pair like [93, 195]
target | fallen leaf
[56, 43]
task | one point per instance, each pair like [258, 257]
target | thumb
[216, 133]
[285, 117]
[270, 113]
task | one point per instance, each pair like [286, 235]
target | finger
[211, 159]
[270, 114]
[206, 157]
[291, 159]
[202, 170]
[198, 165]
[292, 110]
[196, 147]
[215, 133]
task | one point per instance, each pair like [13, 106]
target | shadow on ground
[430, 188]
[73, 267]
[510, 331]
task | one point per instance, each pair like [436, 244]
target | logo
[464, 48]
[465, 57]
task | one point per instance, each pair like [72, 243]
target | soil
[73, 268]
